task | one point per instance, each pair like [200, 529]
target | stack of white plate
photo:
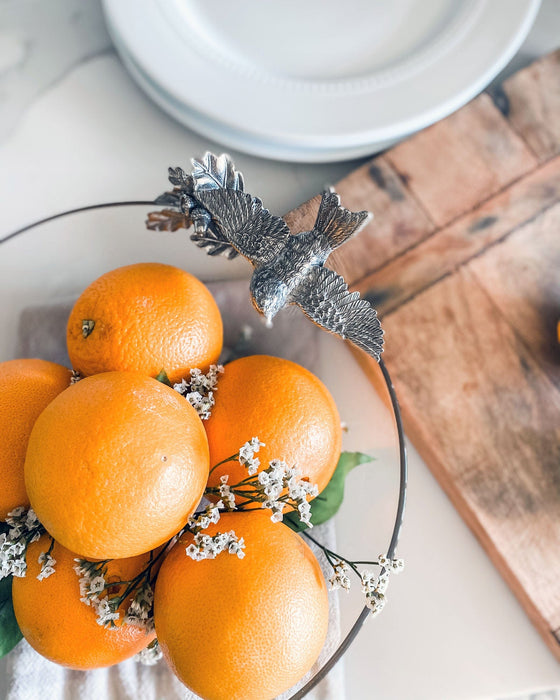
[315, 80]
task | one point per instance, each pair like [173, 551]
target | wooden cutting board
[463, 262]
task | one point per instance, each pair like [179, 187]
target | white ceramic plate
[315, 80]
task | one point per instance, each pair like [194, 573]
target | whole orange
[146, 317]
[242, 629]
[116, 464]
[26, 388]
[63, 629]
[286, 407]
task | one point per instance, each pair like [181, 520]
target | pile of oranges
[114, 462]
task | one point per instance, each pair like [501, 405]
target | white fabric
[24, 675]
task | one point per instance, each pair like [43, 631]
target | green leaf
[163, 378]
[10, 633]
[330, 499]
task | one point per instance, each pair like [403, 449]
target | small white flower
[247, 455]
[193, 552]
[47, 566]
[226, 494]
[340, 577]
[397, 565]
[15, 514]
[31, 520]
[203, 520]
[19, 568]
[97, 585]
[199, 389]
[253, 465]
[375, 587]
[368, 581]
[150, 655]
[105, 613]
[207, 547]
[140, 611]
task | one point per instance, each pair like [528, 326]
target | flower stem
[224, 461]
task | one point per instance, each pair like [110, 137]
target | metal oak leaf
[216, 172]
[169, 199]
[167, 220]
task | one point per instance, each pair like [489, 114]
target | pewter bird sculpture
[289, 269]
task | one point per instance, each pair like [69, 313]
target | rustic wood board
[463, 263]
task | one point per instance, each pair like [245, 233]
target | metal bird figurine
[289, 269]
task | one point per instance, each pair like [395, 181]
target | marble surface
[75, 129]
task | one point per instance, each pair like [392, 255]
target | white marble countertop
[75, 129]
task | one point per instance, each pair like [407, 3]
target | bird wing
[324, 297]
[250, 228]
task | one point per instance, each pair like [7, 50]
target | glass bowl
[54, 259]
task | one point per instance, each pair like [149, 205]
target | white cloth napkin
[24, 675]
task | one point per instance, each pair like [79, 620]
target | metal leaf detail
[216, 172]
[169, 199]
[179, 178]
[214, 244]
[167, 220]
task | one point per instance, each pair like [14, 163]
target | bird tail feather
[336, 223]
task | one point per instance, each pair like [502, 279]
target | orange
[242, 629]
[116, 464]
[146, 317]
[286, 407]
[26, 388]
[59, 626]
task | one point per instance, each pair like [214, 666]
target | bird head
[268, 294]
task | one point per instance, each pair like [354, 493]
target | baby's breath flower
[247, 457]
[97, 585]
[106, 611]
[140, 610]
[200, 521]
[276, 487]
[226, 494]
[397, 565]
[375, 594]
[208, 547]
[92, 585]
[31, 520]
[199, 389]
[271, 485]
[340, 577]
[107, 596]
[23, 529]
[375, 587]
[47, 565]
[150, 655]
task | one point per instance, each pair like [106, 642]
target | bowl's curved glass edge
[403, 462]
[356, 627]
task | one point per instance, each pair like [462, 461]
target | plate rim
[305, 146]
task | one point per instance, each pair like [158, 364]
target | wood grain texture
[399, 221]
[531, 102]
[522, 276]
[486, 418]
[439, 255]
[463, 262]
[455, 164]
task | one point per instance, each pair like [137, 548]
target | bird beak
[268, 321]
